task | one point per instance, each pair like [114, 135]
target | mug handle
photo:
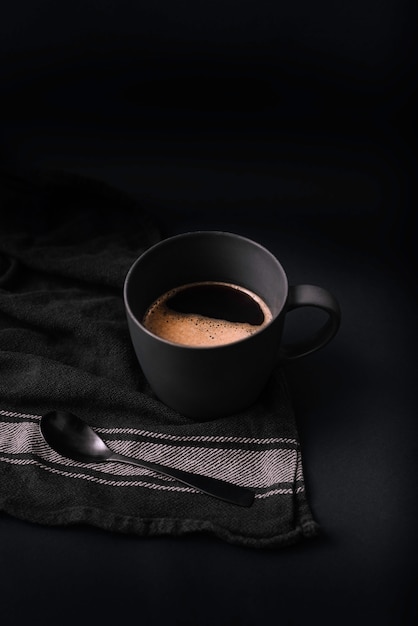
[311, 295]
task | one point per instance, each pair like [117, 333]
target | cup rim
[169, 240]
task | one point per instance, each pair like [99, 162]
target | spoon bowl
[73, 438]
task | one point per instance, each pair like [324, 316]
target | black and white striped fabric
[270, 466]
[64, 345]
[256, 449]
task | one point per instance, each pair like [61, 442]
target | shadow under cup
[210, 382]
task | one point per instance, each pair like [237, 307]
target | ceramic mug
[204, 382]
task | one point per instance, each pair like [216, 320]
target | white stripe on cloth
[264, 469]
[168, 437]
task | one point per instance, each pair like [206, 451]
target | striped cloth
[64, 344]
[55, 490]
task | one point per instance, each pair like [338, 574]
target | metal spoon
[71, 437]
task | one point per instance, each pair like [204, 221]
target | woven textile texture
[64, 344]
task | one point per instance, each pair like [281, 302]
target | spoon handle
[211, 486]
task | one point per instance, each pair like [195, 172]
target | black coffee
[218, 301]
[207, 314]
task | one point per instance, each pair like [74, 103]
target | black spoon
[71, 437]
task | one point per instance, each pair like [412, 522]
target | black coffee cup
[210, 382]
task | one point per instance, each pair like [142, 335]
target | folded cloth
[64, 344]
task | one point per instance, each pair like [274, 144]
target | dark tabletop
[293, 127]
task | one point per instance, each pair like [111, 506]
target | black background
[293, 123]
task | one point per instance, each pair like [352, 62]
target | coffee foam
[198, 330]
